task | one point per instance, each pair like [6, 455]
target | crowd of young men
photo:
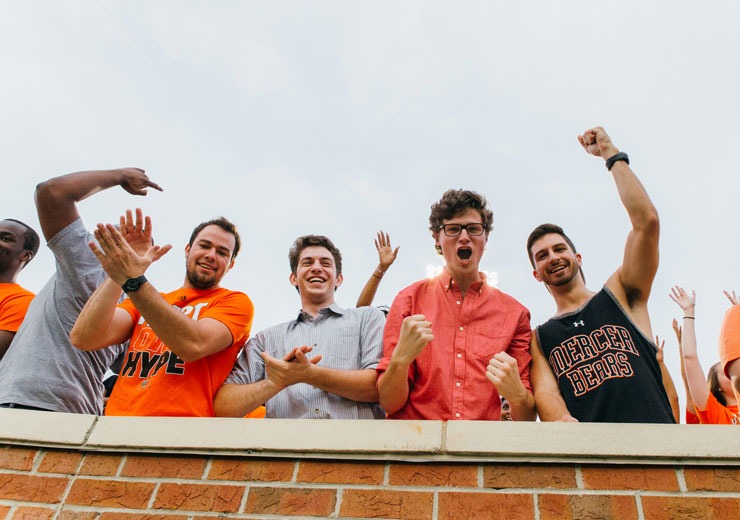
[451, 348]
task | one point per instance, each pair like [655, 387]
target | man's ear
[231, 264]
[578, 259]
[536, 275]
[437, 247]
[339, 281]
[293, 280]
[26, 256]
[187, 250]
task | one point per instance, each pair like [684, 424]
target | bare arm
[550, 403]
[670, 388]
[56, 198]
[393, 384]
[6, 337]
[689, 402]
[386, 257]
[634, 278]
[235, 400]
[695, 375]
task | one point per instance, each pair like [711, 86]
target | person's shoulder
[368, 312]
[75, 229]
[14, 291]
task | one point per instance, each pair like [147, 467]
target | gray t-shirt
[42, 368]
[347, 339]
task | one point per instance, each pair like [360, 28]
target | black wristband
[621, 156]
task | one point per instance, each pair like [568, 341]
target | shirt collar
[333, 309]
[449, 284]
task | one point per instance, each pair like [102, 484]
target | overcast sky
[342, 118]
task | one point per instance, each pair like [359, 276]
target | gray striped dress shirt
[347, 339]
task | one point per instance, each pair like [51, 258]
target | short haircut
[31, 239]
[714, 386]
[454, 202]
[305, 241]
[224, 224]
[548, 229]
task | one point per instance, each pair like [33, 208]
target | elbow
[47, 192]
[650, 222]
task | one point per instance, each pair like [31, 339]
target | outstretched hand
[118, 258]
[734, 299]
[137, 233]
[597, 142]
[136, 182]
[678, 331]
[386, 253]
[683, 299]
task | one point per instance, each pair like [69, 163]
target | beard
[565, 280]
[200, 281]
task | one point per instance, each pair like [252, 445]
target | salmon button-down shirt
[447, 380]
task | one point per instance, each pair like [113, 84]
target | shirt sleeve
[400, 310]
[519, 347]
[235, 310]
[249, 366]
[371, 338]
[14, 310]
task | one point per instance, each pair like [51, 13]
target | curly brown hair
[454, 202]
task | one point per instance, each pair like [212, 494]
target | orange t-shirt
[692, 418]
[14, 301]
[715, 413]
[729, 337]
[155, 381]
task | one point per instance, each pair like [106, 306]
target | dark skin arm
[57, 198]
[5, 338]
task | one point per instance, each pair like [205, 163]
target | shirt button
[461, 328]
[457, 415]
[458, 302]
[457, 383]
[459, 356]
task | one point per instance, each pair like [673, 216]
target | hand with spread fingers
[734, 299]
[118, 259]
[138, 233]
[386, 253]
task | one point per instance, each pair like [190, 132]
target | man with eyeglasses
[453, 345]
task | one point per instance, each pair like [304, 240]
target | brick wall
[76, 484]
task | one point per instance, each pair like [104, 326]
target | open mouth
[464, 253]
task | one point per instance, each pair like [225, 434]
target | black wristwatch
[133, 284]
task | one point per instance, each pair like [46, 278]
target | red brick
[162, 466]
[597, 507]
[4, 511]
[712, 479]
[457, 506]
[291, 501]
[140, 516]
[340, 473]
[33, 513]
[60, 462]
[252, 470]
[31, 488]
[628, 477]
[199, 497]
[97, 464]
[110, 493]
[669, 508]
[433, 475]
[20, 459]
[529, 476]
[380, 503]
[70, 514]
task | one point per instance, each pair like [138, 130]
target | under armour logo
[578, 323]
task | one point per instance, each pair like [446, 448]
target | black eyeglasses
[453, 230]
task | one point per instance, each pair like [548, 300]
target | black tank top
[606, 368]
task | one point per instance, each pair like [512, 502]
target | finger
[315, 360]
[140, 222]
[388, 240]
[395, 251]
[147, 229]
[159, 252]
[290, 356]
[151, 184]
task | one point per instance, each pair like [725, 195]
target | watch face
[133, 284]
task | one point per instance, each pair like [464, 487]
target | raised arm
[386, 257]
[548, 399]
[679, 333]
[670, 388]
[640, 263]
[695, 375]
[56, 198]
